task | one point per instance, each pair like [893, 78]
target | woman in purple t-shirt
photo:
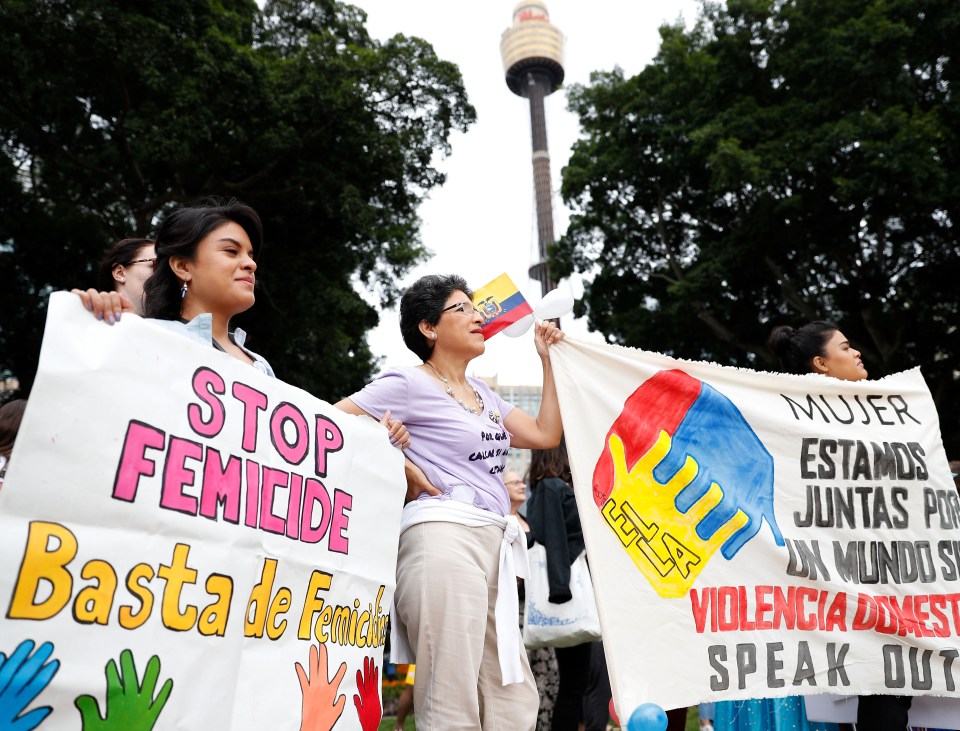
[456, 600]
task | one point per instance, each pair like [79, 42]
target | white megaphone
[555, 303]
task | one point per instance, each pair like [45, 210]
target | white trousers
[446, 593]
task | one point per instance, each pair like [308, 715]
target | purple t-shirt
[462, 454]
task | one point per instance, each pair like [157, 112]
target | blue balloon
[647, 717]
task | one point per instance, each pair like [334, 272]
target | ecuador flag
[501, 304]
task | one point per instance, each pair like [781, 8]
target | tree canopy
[113, 113]
[778, 162]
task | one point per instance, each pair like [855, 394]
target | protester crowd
[467, 522]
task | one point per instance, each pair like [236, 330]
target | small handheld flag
[501, 304]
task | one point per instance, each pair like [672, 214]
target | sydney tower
[532, 51]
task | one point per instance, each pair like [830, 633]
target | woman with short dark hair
[456, 599]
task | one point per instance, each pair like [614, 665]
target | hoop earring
[183, 291]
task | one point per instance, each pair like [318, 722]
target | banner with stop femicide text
[204, 545]
[760, 535]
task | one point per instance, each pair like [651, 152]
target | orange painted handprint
[322, 706]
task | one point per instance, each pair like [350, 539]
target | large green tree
[111, 113]
[780, 161]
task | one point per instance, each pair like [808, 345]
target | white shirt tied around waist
[513, 565]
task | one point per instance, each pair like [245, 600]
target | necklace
[449, 390]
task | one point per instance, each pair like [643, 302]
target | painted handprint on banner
[322, 704]
[23, 676]
[367, 698]
[682, 476]
[130, 705]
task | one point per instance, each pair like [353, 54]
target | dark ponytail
[797, 348]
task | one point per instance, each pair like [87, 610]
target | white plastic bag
[558, 625]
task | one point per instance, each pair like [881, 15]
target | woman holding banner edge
[204, 275]
[820, 347]
[456, 600]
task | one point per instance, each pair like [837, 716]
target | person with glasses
[517, 492]
[125, 268]
[456, 598]
[543, 660]
[555, 524]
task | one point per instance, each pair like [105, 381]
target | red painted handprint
[321, 705]
[367, 700]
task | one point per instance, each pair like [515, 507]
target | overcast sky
[482, 221]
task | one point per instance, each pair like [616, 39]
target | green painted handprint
[130, 706]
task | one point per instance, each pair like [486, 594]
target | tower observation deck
[532, 52]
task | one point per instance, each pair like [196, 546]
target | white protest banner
[180, 531]
[760, 535]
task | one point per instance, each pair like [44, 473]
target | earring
[122, 280]
[183, 291]
[433, 336]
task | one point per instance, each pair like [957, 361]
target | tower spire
[532, 52]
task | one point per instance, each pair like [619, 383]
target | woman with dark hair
[125, 268]
[456, 599]
[205, 274]
[817, 347]
[820, 347]
[555, 524]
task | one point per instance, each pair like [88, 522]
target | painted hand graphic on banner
[130, 705]
[367, 700]
[23, 676]
[322, 706]
[682, 476]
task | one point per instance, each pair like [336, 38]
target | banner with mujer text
[187, 543]
[760, 535]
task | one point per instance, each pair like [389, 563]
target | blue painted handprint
[683, 477]
[727, 451]
[23, 676]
